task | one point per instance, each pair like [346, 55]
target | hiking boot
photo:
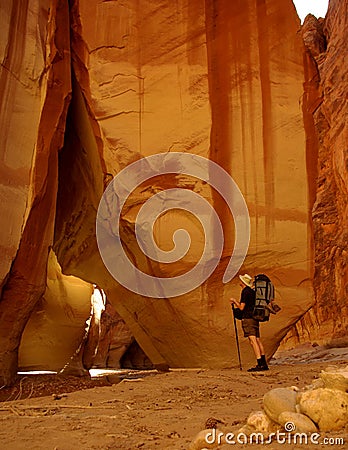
[256, 369]
[262, 362]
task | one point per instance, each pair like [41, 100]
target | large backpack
[264, 294]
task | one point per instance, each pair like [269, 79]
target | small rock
[294, 388]
[301, 423]
[113, 379]
[328, 408]
[58, 396]
[173, 434]
[260, 422]
[212, 422]
[279, 400]
[317, 383]
[206, 439]
[335, 378]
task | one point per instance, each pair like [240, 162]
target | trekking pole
[236, 333]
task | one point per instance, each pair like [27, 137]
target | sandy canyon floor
[156, 411]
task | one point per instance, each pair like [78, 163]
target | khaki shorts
[251, 327]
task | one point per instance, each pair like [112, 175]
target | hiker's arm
[238, 304]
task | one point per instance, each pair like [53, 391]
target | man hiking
[251, 327]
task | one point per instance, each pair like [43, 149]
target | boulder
[316, 384]
[299, 423]
[279, 400]
[328, 408]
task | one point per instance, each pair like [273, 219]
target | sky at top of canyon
[316, 7]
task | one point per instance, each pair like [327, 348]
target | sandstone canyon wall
[215, 79]
[35, 90]
[327, 49]
[104, 84]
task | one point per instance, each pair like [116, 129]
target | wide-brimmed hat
[247, 280]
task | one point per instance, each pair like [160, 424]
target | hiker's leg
[255, 346]
[259, 343]
[252, 332]
[263, 361]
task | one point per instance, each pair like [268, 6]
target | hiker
[251, 327]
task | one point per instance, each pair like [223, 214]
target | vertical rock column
[330, 212]
[35, 84]
[327, 48]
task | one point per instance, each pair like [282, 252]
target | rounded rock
[302, 423]
[328, 408]
[279, 400]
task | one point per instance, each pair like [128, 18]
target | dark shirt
[248, 297]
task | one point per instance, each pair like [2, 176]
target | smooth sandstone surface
[57, 325]
[23, 63]
[35, 85]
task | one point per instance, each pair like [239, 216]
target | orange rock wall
[35, 92]
[230, 81]
[210, 78]
[327, 43]
[108, 340]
